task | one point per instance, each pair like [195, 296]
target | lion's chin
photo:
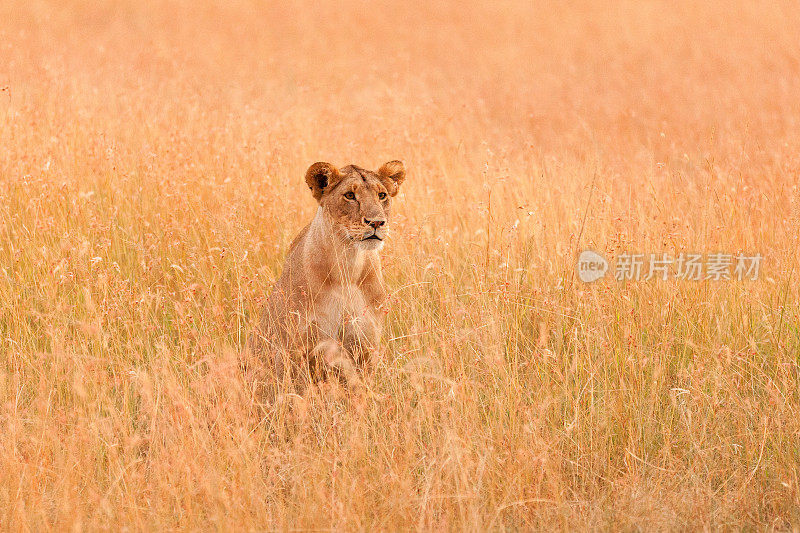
[369, 244]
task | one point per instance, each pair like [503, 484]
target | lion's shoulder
[299, 238]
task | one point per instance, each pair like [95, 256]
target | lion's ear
[393, 174]
[320, 176]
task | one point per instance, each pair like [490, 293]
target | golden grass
[151, 179]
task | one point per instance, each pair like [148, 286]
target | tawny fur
[324, 314]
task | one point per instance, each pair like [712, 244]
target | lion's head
[356, 201]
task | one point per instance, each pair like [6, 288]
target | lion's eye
[350, 195]
[381, 195]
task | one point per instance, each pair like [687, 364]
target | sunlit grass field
[151, 179]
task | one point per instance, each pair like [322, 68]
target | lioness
[323, 314]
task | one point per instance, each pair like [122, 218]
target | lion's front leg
[338, 361]
[361, 338]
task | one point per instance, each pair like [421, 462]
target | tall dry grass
[151, 180]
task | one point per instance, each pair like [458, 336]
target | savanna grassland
[151, 179]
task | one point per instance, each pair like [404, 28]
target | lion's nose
[375, 222]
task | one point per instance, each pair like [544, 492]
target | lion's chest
[344, 313]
